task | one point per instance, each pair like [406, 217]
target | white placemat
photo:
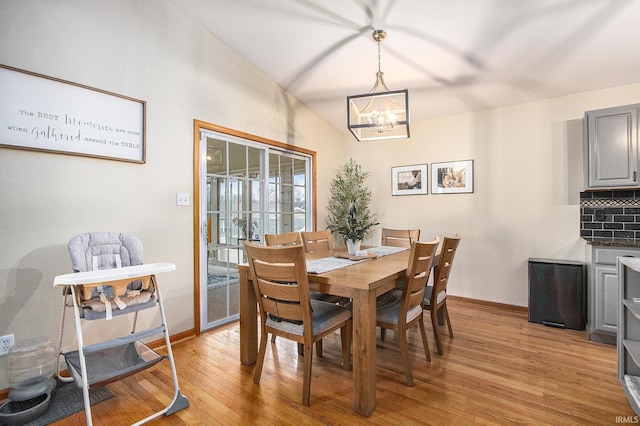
[386, 250]
[326, 264]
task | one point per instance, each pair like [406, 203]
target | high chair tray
[111, 364]
[105, 275]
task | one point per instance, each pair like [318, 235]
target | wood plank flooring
[498, 369]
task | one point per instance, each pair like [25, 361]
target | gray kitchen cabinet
[603, 294]
[628, 342]
[611, 147]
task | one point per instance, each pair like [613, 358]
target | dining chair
[295, 239]
[319, 242]
[435, 298]
[403, 312]
[286, 239]
[281, 284]
[282, 240]
[399, 237]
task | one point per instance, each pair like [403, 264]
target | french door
[247, 189]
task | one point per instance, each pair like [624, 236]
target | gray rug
[66, 400]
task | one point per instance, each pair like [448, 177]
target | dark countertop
[613, 242]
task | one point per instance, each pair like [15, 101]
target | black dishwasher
[557, 293]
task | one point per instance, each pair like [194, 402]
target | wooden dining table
[362, 282]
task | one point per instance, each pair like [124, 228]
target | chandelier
[381, 113]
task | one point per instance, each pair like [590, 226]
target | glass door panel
[251, 189]
[229, 223]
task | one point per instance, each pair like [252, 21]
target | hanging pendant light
[381, 113]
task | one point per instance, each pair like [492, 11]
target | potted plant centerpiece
[348, 209]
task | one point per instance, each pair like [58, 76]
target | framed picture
[409, 180]
[454, 177]
[42, 113]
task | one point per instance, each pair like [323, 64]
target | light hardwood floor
[499, 369]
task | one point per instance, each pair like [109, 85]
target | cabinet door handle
[635, 175]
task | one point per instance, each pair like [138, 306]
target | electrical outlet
[5, 344]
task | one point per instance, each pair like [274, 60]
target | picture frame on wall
[42, 113]
[453, 177]
[409, 180]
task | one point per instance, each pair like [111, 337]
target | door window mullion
[265, 189]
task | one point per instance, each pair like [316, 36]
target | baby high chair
[111, 280]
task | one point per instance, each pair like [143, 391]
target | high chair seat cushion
[102, 250]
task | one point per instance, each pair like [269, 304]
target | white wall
[145, 49]
[528, 176]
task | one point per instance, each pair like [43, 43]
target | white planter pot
[353, 246]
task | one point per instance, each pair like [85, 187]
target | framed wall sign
[409, 180]
[47, 114]
[452, 178]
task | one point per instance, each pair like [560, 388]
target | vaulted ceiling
[454, 56]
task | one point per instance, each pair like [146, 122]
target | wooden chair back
[417, 275]
[280, 281]
[443, 269]
[280, 240]
[290, 239]
[399, 237]
[318, 242]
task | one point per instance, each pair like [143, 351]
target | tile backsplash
[610, 214]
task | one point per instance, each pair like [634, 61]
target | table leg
[364, 352]
[248, 320]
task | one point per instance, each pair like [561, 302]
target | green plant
[242, 224]
[348, 209]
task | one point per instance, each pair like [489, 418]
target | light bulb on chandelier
[384, 120]
[381, 113]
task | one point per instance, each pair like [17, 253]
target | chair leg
[318, 348]
[404, 351]
[383, 333]
[425, 342]
[446, 317]
[434, 324]
[345, 337]
[273, 338]
[306, 385]
[257, 371]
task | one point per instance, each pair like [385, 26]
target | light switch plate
[182, 198]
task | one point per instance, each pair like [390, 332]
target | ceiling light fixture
[381, 113]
